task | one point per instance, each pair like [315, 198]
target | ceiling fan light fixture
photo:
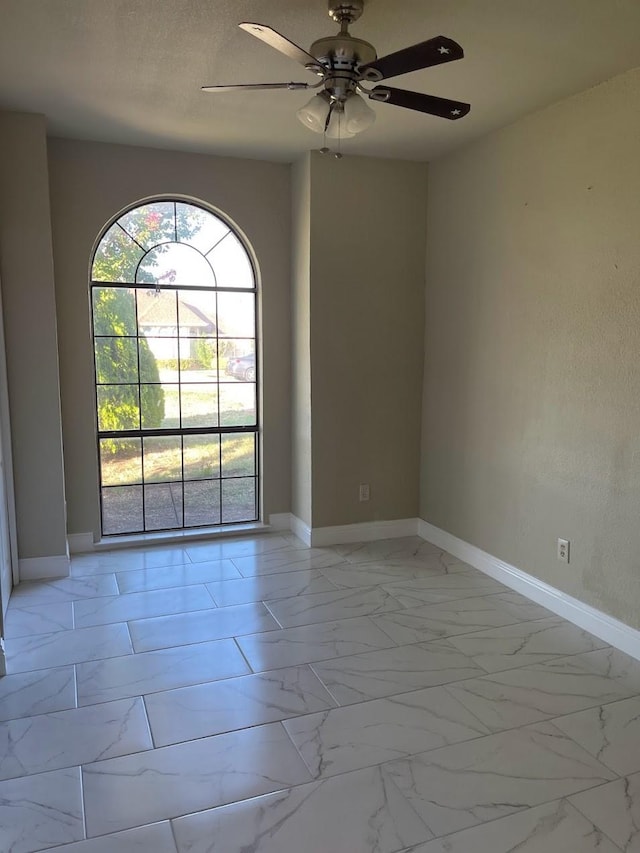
[313, 114]
[358, 115]
[338, 125]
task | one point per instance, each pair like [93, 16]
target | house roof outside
[154, 312]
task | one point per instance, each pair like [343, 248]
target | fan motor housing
[342, 51]
[341, 57]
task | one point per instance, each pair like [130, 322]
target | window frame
[142, 433]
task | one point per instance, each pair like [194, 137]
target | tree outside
[119, 408]
[114, 314]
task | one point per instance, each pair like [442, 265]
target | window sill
[173, 537]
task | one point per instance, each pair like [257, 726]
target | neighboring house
[158, 321]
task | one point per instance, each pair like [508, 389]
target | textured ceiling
[130, 71]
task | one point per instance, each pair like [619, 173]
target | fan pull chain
[338, 153]
[325, 148]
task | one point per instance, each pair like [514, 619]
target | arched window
[173, 296]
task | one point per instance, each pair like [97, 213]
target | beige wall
[368, 221]
[26, 271]
[531, 426]
[301, 340]
[90, 183]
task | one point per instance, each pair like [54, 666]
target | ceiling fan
[344, 65]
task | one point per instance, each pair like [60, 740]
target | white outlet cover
[563, 550]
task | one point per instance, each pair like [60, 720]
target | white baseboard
[279, 521]
[606, 627]
[38, 568]
[80, 543]
[368, 531]
[300, 529]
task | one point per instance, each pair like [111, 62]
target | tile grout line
[75, 686]
[82, 800]
[252, 671]
[173, 834]
[590, 820]
[327, 688]
[273, 616]
[148, 722]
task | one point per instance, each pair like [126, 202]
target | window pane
[202, 503]
[118, 407]
[238, 360]
[239, 499]
[158, 354]
[198, 227]
[122, 509]
[175, 263]
[238, 455]
[116, 360]
[237, 315]
[114, 311]
[199, 405]
[120, 461]
[162, 458]
[231, 263]
[116, 257]
[237, 404]
[163, 506]
[157, 313]
[158, 403]
[150, 224]
[198, 361]
[197, 313]
[201, 457]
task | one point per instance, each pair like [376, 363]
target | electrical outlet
[364, 491]
[563, 550]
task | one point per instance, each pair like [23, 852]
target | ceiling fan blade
[255, 87]
[435, 51]
[279, 42]
[442, 107]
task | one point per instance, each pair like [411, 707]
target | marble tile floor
[252, 695]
